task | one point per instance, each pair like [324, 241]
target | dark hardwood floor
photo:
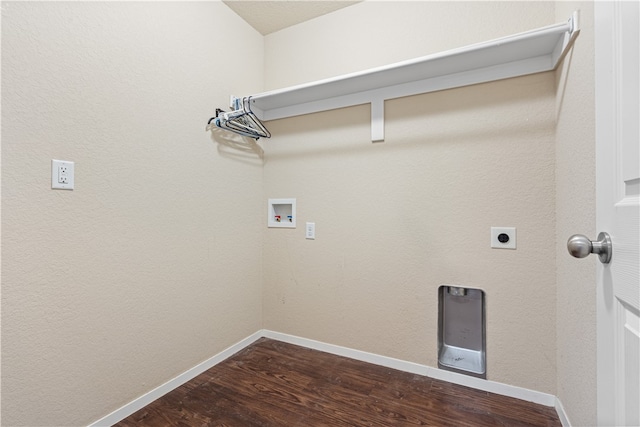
[271, 383]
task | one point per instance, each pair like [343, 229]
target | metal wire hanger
[241, 120]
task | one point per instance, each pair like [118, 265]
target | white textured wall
[155, 271]
[377, 33]
[575, 213]
[395, 220]
[151, 265]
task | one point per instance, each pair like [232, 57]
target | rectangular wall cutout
[461, 330]
[281, 213]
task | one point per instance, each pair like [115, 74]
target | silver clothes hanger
[241, 120]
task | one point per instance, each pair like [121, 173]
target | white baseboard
[415, 368]
[389, 362]
[145, 399]
[562, 415]
[363, 356]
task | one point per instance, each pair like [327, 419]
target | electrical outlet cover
[62, 174]
[503, 237]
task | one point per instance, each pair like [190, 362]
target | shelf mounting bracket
[377, 120]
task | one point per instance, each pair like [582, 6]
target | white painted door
[617, 42]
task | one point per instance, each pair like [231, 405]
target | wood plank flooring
[271, 383]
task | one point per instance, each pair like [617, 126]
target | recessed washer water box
[462, 343]
[281, 213]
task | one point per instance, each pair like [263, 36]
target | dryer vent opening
[461, 330]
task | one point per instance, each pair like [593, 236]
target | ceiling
[268, 16]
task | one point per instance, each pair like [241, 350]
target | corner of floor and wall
[160, 260]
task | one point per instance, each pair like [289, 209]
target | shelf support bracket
[377, 120]
[569, 39]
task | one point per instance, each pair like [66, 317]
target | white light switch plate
[62, 174]
[310, 231]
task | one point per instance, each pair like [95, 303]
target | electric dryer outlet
[503, 237]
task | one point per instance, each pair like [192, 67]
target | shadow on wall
[561, 82]
[236, 147]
